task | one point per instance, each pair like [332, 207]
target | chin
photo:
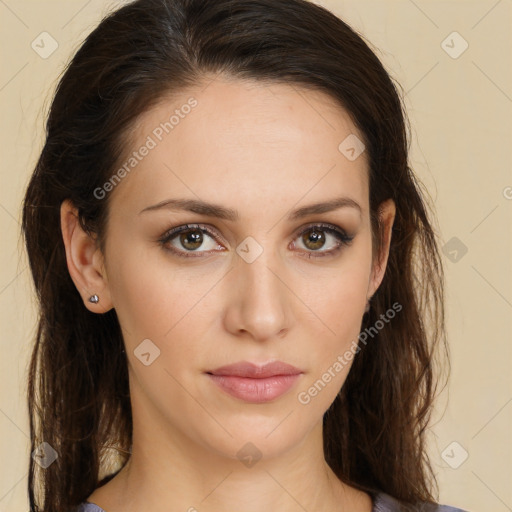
[254, 439]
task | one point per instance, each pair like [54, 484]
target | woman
[240, 287]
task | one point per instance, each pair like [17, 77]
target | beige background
[461, 116]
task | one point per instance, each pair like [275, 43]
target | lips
[255, 384]
[253, 371]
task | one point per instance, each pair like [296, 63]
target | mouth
[255, 384]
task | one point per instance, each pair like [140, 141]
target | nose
[258, 299]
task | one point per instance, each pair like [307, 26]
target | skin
[263, 151]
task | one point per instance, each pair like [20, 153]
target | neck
[182, 475]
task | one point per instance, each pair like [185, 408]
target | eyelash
[340, 234]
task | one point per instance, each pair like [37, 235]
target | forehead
[260, 139]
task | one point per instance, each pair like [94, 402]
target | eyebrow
[220, 212]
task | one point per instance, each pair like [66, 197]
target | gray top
[381, 503]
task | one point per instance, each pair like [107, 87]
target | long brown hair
[78, 393]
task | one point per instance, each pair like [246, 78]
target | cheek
[337, 306]
[338, 297]
[157, 300]
[145, 301]
[145, 298]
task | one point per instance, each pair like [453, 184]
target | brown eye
[188, 239]
[315, 238]
[197, 240]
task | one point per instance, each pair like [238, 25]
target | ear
[387, 211]
[85, 260]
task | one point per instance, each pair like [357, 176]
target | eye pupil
[196, 236]
[316, 237]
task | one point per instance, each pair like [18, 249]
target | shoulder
[88, 507]
[381, 503]
[385, 503]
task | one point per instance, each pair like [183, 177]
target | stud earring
[367, 307]
[94, 299]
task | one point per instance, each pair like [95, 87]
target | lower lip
[255, 390]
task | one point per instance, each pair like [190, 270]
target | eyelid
[324, 225]
[173, 232]
[344, 239]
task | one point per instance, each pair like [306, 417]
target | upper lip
[254, 371]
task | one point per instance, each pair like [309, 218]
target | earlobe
[387, 212]
[84, 261]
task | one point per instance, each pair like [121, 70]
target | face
[255, 276]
